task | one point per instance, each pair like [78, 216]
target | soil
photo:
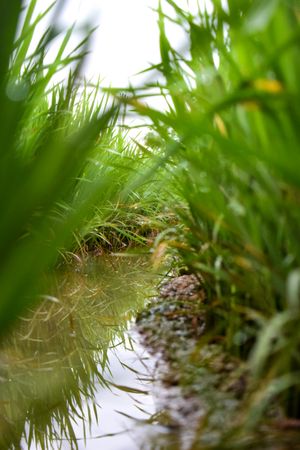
[201, 390]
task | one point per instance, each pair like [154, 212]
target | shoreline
[202, 390]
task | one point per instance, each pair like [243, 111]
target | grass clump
[232, 140]
[64, 162]
[130, 213]
[43, 149]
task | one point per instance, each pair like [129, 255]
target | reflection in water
[125, 408]
[58, 366]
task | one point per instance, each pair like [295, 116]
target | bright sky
[126, 40]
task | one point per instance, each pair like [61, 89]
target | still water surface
[123, 414]
[122, 409]
[72, 375]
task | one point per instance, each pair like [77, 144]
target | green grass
[130, 213]
[231, 145]
[66, 165]
[43, 150]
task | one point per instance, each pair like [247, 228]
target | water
[122, 414]
[72, 375]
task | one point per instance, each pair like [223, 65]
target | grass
[129, 213]
[65, 163]
[231, 146]
[43, 150]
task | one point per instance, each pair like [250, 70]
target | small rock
[183, 287]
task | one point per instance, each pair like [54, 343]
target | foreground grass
[66, 166]
[231, 144]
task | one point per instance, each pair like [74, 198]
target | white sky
[125, 41]
[127, 38]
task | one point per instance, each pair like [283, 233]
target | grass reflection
[54, 361]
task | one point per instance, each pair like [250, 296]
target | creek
[73, 375]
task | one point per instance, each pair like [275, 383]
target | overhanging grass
[232, 143]
[63, 162]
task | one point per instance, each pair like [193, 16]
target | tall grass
[129, 213]
[232, 143]
[63, 163]
[42, 150]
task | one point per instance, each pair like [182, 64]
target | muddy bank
[201, 391]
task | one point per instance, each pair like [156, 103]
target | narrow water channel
[72, 374]
[126, 406]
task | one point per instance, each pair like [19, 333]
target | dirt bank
[201, 389]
